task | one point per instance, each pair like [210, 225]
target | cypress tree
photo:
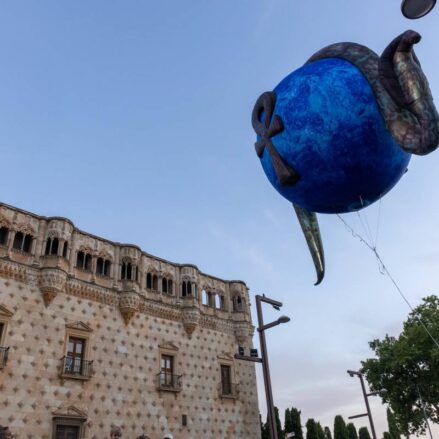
[340, 429]
[352, 431]
[311, 429]
[265, 433]
[320, 432]
[363, 433]
[280, 432]
[288, 424]
[296, 423]
[328, 434]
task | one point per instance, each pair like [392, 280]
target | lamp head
[283, 319]
[413, 9]
[352, 373]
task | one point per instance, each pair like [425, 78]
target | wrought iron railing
[76, 367]
[3, 356]
[227, 389]
[169, 381]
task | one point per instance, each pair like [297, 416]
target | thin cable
[367, 222]
[387, 272]
[378, 222]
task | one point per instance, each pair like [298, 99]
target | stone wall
[44, 299]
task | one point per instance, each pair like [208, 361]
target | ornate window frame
[5, 318]
[227, 360]
[83, 331]
[70, 416]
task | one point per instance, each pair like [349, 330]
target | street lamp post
[264, 357]
[366, 395]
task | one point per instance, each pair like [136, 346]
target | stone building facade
[95, 333]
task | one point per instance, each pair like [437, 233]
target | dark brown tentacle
[310, 227]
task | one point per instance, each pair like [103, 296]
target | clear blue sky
[132, 118]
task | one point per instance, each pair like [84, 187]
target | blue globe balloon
[335, 137]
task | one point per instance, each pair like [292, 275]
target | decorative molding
[129, 304]
[70, 412]
[168, 346]
[11, 270]
[52, 282]
[79, 326]
[4, 312]
[187, 315]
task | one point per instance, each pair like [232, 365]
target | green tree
[393, 427]
[386, 435]
[328, 434]
[320, 432]
[340, 429]
[406, 369]
[311, 429]
[352, 431]
[265, 433]
[280, 432]
[288, 424]
[363, 433]
[297, 423]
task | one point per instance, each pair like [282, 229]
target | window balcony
[169, 382]
[228, 390]
[3, 356]
[76, 368]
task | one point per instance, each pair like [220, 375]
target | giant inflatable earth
[337, 134]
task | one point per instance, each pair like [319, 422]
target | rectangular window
[2, 328]
[74, 356]
[167, 370]
[67, 432]
[184, 420]
[226, 379]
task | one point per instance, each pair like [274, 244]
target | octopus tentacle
[400, 87]
[310, 227]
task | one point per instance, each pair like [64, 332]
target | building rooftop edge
[49, 218]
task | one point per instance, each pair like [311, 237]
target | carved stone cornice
[52, 282]
[129, 304]
[11, 270]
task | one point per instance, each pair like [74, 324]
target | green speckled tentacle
[310, 227]
[400, 87]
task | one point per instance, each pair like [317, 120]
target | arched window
[238, 303]
[204, 298]
[65, 249]
[218, 301]
[155, 283]
[149, 281]
[80, 260]
[127, 271]
[52, 246]
[164, 285]
[22, 242]
[4, 232]
[170, 290]
[183, 289]
[103, 267]
[83, 261]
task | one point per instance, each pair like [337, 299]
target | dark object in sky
[413, 9]
[337, 134]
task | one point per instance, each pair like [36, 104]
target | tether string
[384, 270]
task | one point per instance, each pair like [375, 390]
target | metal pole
[366, 400]
[266, 371]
